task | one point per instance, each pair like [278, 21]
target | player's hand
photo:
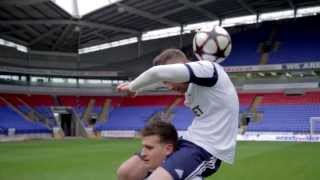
[124, 87]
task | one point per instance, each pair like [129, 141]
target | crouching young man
[159, 139]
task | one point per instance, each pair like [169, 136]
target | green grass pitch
[80, 159]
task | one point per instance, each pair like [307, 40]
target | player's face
[154, 152]
[178, 87]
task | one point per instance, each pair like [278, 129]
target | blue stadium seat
[128, 118]
[10, 119]
[46, 112]
[245, 46]
[182, 117]
[286, 118]
[2, 131]
[299, 42]
[23, 109]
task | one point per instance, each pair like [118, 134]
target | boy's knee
[132, 169]
[125, 173]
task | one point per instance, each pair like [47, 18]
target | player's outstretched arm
[176, 73]
[124, 87]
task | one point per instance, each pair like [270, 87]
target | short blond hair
[169, 56]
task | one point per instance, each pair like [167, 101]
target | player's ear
[169, 148]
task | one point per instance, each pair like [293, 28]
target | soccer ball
[214, 45]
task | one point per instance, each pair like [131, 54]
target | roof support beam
[62, 36]
[107, 27]
[50, 53]
[87, 42]
[246, 6]
[12, 32]
[30, 29]
[148, 15]
[16, 40]
[173, 11]
[93, 35]
[67, 22]
[98, 34]
[16, 37]
[21, 2]
[44, 35]
[291, 4]
[201, 10]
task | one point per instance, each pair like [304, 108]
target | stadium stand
[247, 53]
[286, 113]
[125, 112]
[281, 112]
[285, 41]
[10, 119]
[182, 117]
[286, 118]
[128, 118]
[292, 42]
[34, 117]
[297, 42]
[2, 131]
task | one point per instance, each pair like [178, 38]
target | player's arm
[176, 73]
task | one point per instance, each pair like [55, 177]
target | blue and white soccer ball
[214, 45]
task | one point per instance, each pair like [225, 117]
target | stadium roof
[46, 25]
